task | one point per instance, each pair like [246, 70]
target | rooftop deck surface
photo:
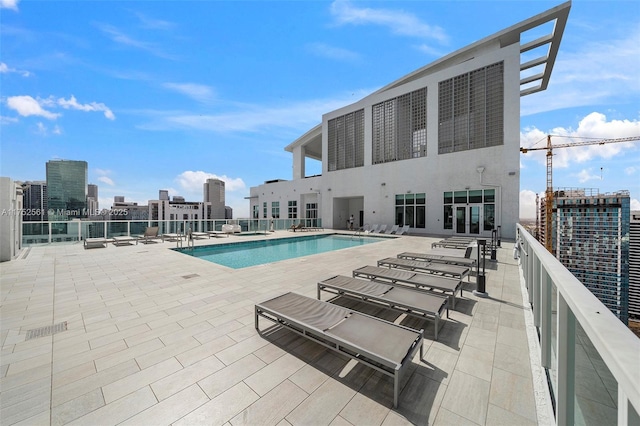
[156, 337]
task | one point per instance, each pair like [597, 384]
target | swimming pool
[252, 253]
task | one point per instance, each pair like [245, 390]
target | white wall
[10, 219]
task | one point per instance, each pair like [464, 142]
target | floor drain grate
[186, 277]
[46, 331]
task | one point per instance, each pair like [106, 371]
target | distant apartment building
[178, 209]
[590, 233]
[127, 210]
[34, 201]
[92, 199]
[214, 193]
[634, 265]
[228, 212]
[67, 189]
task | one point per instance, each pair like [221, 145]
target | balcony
[145, 335]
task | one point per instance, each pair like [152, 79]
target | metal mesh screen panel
[345, 136]
[471, 108]
[400, 127]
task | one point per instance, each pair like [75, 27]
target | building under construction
[590, 237]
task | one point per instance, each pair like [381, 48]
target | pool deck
[156, 337]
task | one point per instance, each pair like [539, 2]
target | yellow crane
[549, 190]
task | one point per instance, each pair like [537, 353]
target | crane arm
[583, 143]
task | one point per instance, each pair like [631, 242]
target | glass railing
[58, 232]
[591, 358]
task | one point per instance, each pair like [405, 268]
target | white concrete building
[437, 149]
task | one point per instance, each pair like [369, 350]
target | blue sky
[161, 95]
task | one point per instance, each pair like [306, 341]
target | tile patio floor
[156, 337]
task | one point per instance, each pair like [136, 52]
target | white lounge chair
[383, 228]
[394, 229]
[403, 230]
[373, 229]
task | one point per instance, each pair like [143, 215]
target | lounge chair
[423, 281]
[298, 227]
[150, 235]
[404, 299]
[403, 230]
[95, 242]
[374, 229]
[171, 237]
[216, 234]
[438, 258]
[383, 228]
[124, 240]
[454, 271]
[394, 229]
[200, 235]
[384, 346]
[450, 244]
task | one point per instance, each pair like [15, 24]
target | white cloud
[592, 127]
[9, 4]
[7, 120]
[121, 38]
[630, 171]
[332, 52]
[192, 182]
[27, 106]
[5, 69]
[586, 175]
[107, 180]
[93, 106]
[199, 92]
[528, 204]
[398, 22]
[254, 118]
[635, 205]
[597, 72]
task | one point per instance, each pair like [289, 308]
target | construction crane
[549, 190]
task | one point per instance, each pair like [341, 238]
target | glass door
[468, 219]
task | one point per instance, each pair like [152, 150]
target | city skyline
[170, 97]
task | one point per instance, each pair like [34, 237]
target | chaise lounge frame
[423, 281]
[453, 271]
[351, 349]
[408, 300]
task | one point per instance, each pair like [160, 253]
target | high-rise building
[67, 189]
[590, 235]
[163, 195]
[92, 199]
[35, 201]
[214, 194]
[634, 265]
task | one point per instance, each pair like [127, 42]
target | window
[471, 110]
[484, 197]
[311, 215]
[292, 210]
[345, 136]
[256, 212]
[400, 127]
[275, 209]
[264, 210]
[411, 210]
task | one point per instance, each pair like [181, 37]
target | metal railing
[77, 230]
[591, 358]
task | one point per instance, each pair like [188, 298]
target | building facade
[591, 239]
[92, 199]
[214, 193]
[35, 201]
[437, 149]
[67, 189]
[634, 265]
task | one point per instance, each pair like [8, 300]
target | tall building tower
[634, 265]
[92, 198]
[35, 201]
[67, 189]
[591, 239]
[214, 194]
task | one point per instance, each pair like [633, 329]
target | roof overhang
[530, 83]
[311, 141]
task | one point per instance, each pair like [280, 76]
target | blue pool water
[252, 253]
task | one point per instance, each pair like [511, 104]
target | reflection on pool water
[252, 253]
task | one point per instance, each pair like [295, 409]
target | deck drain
[186, 277]
[46, 331]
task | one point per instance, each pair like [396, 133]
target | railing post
[536, 290]
[565, 399]
[545, 319]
